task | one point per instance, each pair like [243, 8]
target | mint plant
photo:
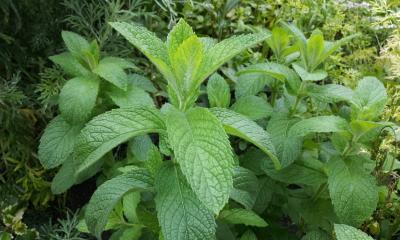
[299, 149]
[196, 183]
[97, 84]
[323, 135]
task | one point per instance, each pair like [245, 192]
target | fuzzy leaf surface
[78, 98]
[353, 192]
[109, 193]
[57, 142]
[238, 125]
[345, 232]
[112, 128]
[181, 215]
[204, 154]
[242, 216]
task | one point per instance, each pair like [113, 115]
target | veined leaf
[181, 215]
[345, 232]
[251, 84]
[353, 192]
[142, 82]
[274, 70]
[320, 124]
[225, 50]
[245, 187]
[288, 149]
[240, 126]
[278, 41]
[75, 43]
[57, 142]
[109, 193]
[253, 107]
[112, 73]
[330, 92]
[369, 99]
[64, 178]
[148, 43]
[178, 34]
[186, 62]
[204, 154]
[69, 64]
[242, 216]
[78, 98]
[120, 62]
[270, 69]
[218, 91]
[112, 128]
[309, 76]
[315, 48]
[133, 96]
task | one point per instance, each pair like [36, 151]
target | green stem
[298, 99]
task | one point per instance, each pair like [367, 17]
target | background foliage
[30, 32]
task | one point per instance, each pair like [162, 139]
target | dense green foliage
[200, 120]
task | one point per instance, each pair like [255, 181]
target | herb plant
[300, 149]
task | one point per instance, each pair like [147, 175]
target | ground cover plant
[199, 120]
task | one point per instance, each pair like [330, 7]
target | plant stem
[298, 99]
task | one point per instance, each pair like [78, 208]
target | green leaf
[344, 232]
[112, 73]
[69, 64]
[238, 125]
[270, 69]
[353, 191]
[242, 216]
[181, 215]
[253, 107]
[248, 235]
[227, 49]
[264, 194]
[178, 34]
[278, 42]
[133, 96]
[251, 84]
[148, 43]
[75, 43]
[142, 82]
[274, 70]
[145, 151]
[288, 149]
[112, 128]
[369, 99]
[57, 142]
[330, 92]
[78, 98]
[245, 186]
[316, 235]
[186, 62]
[109, 193]
[320, 124]
[120, 62]
[218, 91]
[315, 48]
[296, 32]
[309, 76]
[331, 47]
[64, 178]
[204, 154]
